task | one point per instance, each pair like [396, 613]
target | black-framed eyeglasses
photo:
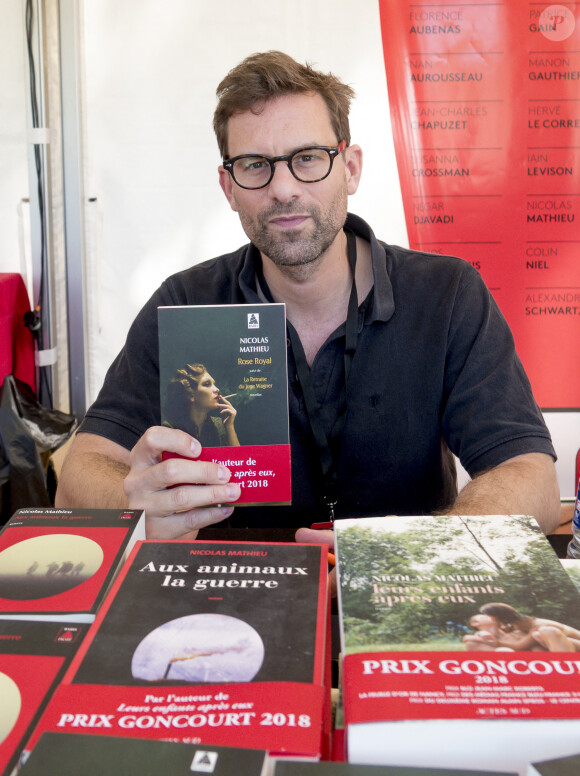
[307, 165]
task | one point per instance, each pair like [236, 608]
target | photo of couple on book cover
[479, 583]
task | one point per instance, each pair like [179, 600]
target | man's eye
[305, 159]
[254, 165]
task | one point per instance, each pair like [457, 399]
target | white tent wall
[151, 73]
[13, 145]
[20, 223]
[152, 203]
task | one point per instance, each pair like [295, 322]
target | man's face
[290, 222]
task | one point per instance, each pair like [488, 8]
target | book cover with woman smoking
[223, 379]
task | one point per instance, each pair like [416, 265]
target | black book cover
[289, 768]
[68, 754]
[561, 766]
[220, 642]
[223, 379]
[238, 598]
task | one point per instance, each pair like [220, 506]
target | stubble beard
[296, 248]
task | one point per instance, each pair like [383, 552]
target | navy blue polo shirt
[435, 372]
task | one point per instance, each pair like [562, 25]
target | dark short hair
[263, 77]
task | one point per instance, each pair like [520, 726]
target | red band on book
[283, 717]
[383, 686]
[263, 471]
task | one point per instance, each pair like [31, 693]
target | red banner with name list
[485, 106]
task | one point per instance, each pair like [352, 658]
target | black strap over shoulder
[326, 444]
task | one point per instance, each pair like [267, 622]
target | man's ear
[227, 187]
[353, 164]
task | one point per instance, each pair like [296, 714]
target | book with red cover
[461, 642]
[223, 379]
[33, 657]
[59, 563]
[210, 643]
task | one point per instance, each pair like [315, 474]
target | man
[431, 363]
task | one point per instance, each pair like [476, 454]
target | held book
[59, 563]
[463, 620]
[65, 754]
[33, 656]
[209, 643]
[223, 379]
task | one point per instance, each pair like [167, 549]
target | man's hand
[179, 496]
[319, 536]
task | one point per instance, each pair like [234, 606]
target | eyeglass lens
[307, 165]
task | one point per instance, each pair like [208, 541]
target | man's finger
[184, 498]
[185, 525]
[315, 536]
[159, 439]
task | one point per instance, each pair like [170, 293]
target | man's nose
[284, 185]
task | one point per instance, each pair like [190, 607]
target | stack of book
[33, 657]
[459, 654]
[460, 639]
[56, 566]
[212, 643]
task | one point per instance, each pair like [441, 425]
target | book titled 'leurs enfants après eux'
[461, 642]
[223, 379]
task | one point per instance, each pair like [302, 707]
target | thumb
[315, 536]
